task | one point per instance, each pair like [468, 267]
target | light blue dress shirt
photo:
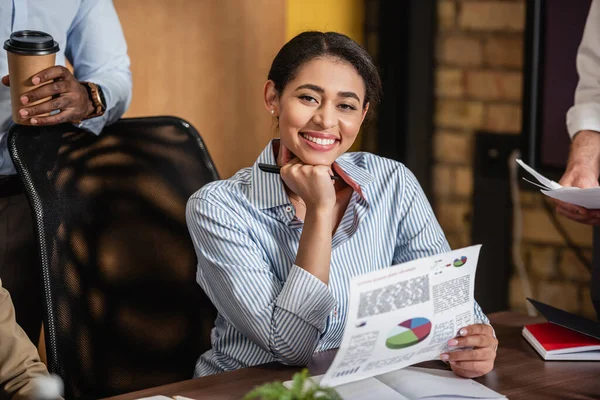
[90, 37]
[246, 237]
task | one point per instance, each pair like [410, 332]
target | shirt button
[288, 209]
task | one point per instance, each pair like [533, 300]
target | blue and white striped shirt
[246, 237]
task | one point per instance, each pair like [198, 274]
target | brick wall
[479, 53]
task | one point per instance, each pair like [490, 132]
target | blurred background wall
[345, 16]
[479, 80]
[206, 61]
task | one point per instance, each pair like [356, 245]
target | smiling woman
[320, 111]
[276, 252]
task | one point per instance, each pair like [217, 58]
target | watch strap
[96, 97]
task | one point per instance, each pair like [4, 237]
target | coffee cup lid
[31, 43]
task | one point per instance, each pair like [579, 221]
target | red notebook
[554, 342]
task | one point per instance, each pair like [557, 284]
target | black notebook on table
[568, 320]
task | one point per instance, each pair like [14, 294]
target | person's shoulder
[381, 168]
[224, 191]
[85, 6]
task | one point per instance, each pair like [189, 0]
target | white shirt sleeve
[585, 114]
[97, 48]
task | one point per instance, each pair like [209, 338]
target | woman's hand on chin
[477, 361]
[312, 183]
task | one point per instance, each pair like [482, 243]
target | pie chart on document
[408, 333]
[459, 262]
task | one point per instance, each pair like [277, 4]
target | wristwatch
[96, 97]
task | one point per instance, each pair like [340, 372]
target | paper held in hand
[405, 314]
[588, 198]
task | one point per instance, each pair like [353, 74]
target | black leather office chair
[123, 310]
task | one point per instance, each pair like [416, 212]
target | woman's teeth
[323, 142]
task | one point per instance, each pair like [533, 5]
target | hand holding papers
[405, 314]
[588, 198]
[546, 183]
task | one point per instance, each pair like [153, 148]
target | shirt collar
[267, 190]
[357, 177]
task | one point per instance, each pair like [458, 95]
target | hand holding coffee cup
[58, 90]
[38, 87]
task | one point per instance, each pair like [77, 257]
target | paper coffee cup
[29, 52]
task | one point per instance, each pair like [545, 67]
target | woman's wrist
[314, 250]
[321, 208]
[321, 215]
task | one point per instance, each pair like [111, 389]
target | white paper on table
[588, 198]
[420, 383]
[405, 314]
[369, 388]
[164, 398]
[413, 383]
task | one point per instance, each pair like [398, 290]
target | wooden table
[519, 372]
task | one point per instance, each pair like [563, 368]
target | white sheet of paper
[550, 184]
[405, 314]
[419, 383]
[164, 398]
[370, 388]
[411, 384]
[588, 198]
[155, 398]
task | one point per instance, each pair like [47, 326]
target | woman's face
[320, 111]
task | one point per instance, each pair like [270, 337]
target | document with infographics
[405, 314]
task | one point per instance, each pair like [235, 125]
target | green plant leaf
[299, 381]
[268, 391]
[303, 388]
[330, 393]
